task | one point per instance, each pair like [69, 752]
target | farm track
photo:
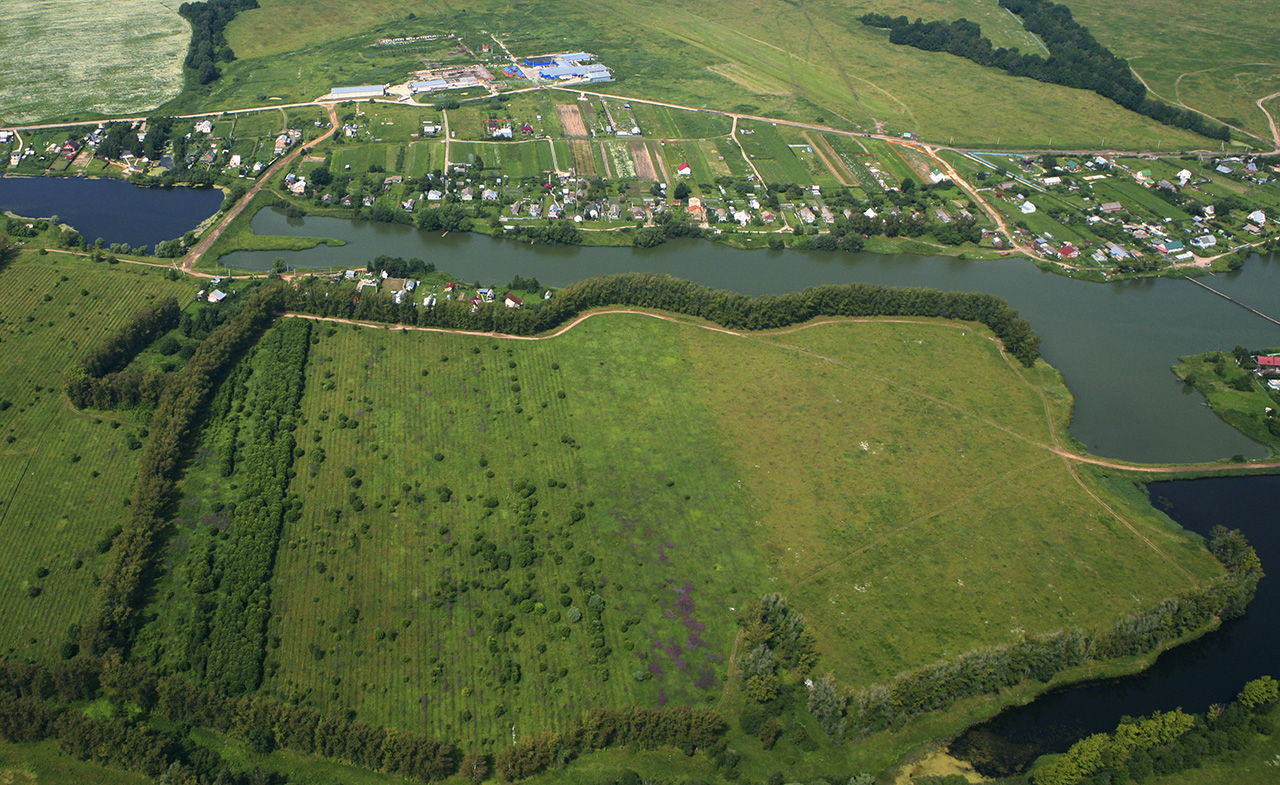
[202, 247]
[1055, 447]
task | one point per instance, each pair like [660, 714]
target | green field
[64, 475]
[672, 485]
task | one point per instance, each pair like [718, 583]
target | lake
[115, 210]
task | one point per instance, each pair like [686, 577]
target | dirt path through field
[644, 164]
[660, 165]
[604, 156]
[830, 159]
[571, 120]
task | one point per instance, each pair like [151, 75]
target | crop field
[502, 533]
[776, 162]
[655, 527]
[64, 475]
[584, 158]
[515, 159]
[666, 123]
[571, 120]
[74, 56]
[360, 157]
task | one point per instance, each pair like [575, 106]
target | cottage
[807, 215]
[1204, 241]
[204, 127]
[1267, 362]
[217, 296]
[468, 194]
[1068, 251]
[1052, 181]
[684, 170]
[1258, 217]
[235, 159]
[1027, 207]
[487, 294]
[742, 217]
[511, 301]
[1110, 207]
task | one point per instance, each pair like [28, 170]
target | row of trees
[687, 729]
[1076, 58]
[1165, 743]
[237, 631]
[985, 671]
[97, 379]
[111, 620]
[209, 20]
[729, 309]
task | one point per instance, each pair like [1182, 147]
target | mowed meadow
[65, 475]
[69, 57]
[494, 534]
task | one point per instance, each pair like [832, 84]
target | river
[1114, 343]
[1195, 676]
[116, 211]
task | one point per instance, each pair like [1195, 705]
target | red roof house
[1268, 363]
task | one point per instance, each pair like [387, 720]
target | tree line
[111, 619]
[240, 607]
[986, 671]
[209, 20]
[1076, 58]
[98, 380]
[1165, 743]
[663, 292]
[683, 728]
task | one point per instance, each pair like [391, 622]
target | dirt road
[200, 248]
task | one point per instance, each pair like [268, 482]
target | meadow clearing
[75, 57]
[495, 534]
[64, 475]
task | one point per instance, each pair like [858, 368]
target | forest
[1076, 59]
[209, 46]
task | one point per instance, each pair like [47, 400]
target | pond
[115, 210]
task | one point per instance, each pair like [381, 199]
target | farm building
[359, 91]
[428, 85]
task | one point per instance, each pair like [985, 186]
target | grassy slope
[772, 58]
[891, 479]
[55, 507]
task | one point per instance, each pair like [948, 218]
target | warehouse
[359, 91]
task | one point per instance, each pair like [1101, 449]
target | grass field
[502, 533]
[78, 57]
[64, 475]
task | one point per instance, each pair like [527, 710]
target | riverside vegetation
[392, 548]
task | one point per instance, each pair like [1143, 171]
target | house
[1204, 241]
[366, 201]
[204, 127]
[1258, 217]
[768, 217]
[429, 301]
[282, 141]
[1052, 180]
[434, 195]
[1068, 251]
[1184, 177]
[742, 217]
[502, 133]
[511, 301]
[944, 216]
[1111, 207]
[217, 296]
[489, 195]
[468, 194]
[487, 294]
[807, 215]
[1223, 169]
[694, 206]
[1027, 207]
[684, 170]
[1169, 247]
[872, 214]
[1251, 229]
[430, 129]
[299, 186]
[1267, 362]
[235, 159]
[350, 275]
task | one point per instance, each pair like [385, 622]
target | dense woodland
[728, 309]
[209, 20]
[1076, 58]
